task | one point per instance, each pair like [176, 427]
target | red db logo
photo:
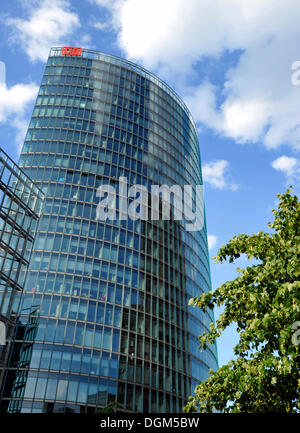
[71, 51]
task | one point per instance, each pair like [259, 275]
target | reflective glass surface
[113, 322]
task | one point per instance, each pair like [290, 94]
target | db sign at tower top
[71, 51]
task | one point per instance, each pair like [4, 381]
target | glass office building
[113, 323]
[20, 205]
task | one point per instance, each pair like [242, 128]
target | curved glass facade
[113, 322]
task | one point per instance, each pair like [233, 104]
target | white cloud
[49, 23]
[2, 73]
[215, 174]
[212, 240]
[100, 25]
[256, 101]
[202, 102]
[289, 166]
[14, 102]
[104, 3]
[107, 21]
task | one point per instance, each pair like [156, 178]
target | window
[51, 389]
[82, 392]
[107, 339]
[62, 390]
[30, 387]
[72, 391]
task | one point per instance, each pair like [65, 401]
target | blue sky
[230, 61]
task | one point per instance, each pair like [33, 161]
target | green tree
[263, 302]
[112, 407]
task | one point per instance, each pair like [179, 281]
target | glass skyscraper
[113, 322]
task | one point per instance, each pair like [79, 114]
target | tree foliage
[263, 301]
[111, 407]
